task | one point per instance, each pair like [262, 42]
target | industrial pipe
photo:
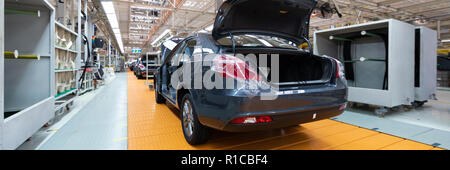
[15, 55]
[370, 34]
[339, 38]
[15, 11]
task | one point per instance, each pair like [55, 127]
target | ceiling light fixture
[209, 28]
[110, 12]
[156, 42]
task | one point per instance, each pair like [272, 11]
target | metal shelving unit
[26, 90]
[88, 83]
[87, 28]
[103, 60]
[67, 47]
[65, 28]
[2, 57]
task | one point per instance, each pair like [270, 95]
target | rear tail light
[342, 107]
[252, 119]
[235, 68]
[340, 73]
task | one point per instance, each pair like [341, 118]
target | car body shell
[216, 108]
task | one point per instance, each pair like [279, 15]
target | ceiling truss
[147, 19]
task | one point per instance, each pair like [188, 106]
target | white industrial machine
[378, 58]
[425, 65]
[27, 69]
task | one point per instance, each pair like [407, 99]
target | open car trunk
[295, 68]
[304, 69]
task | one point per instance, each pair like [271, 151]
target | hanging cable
[309, 46]
[233, 44]
[86, 63]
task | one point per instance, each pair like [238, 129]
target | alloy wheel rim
[188, 118]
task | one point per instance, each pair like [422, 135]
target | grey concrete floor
[101, 124]
[429, 124]
[41, 136]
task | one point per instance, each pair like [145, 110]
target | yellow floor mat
[154, 126]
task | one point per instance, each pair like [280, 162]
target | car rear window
[250, 40]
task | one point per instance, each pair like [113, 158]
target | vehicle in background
[147, 65]
[136, 66]
[132, 65]
[309, 87]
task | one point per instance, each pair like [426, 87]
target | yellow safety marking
[441, 102]
[120, 139]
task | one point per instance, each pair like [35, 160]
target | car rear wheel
[194, 132]
[158, 97]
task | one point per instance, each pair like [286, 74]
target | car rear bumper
[286, 119]
[217, 109]
[150, 72]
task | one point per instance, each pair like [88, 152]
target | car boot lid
[285, 18]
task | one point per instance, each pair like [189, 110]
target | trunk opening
[296, 68]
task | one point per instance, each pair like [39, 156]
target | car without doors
[290, 86]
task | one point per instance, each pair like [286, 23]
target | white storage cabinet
[375, 76]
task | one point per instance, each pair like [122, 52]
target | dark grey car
[284, 86]
[152, 63]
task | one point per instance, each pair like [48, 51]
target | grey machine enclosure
[27, 84]
[425, 64]
[375, 76]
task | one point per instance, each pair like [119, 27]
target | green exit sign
[136, 51]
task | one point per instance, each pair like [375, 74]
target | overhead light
[447, 40]
[206, 29]
[110, 12]
[209, 28]
[420, 21]
[165, 33]
[139, 27]
[143, 7]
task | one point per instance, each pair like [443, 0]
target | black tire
[421, 104]
[200, 134]
[418, 103]
[139, 76]
[158, 97]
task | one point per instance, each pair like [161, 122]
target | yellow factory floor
[154, 126]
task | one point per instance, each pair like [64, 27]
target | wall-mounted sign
[136, 51]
